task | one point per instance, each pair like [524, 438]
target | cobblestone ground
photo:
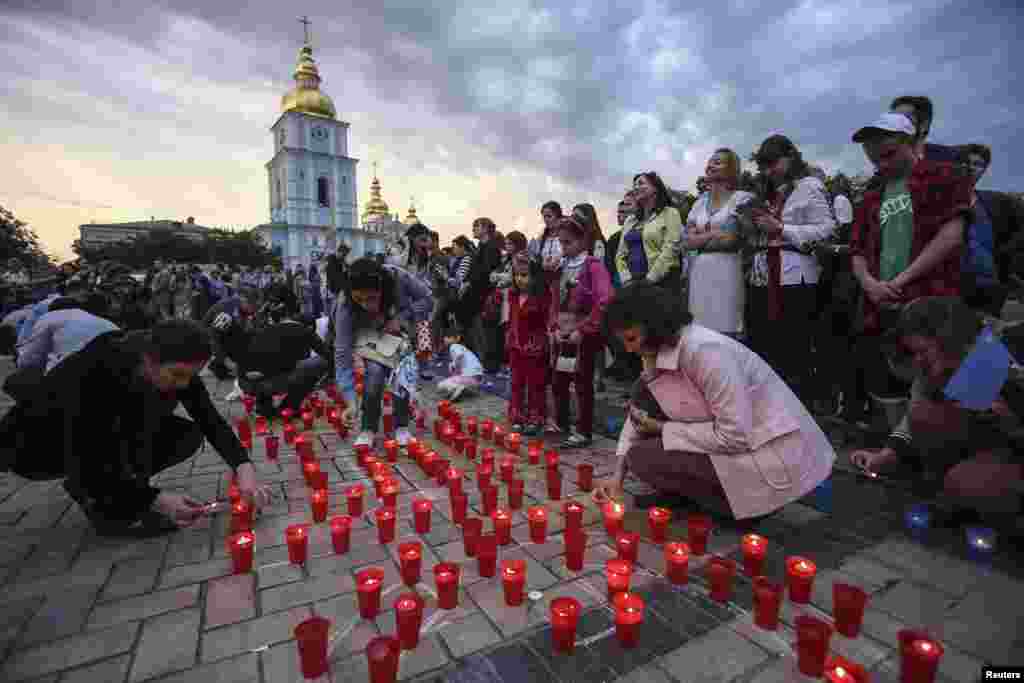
[74, 607]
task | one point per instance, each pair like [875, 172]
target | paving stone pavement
[77, 608]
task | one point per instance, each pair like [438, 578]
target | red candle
[657, 520]
[628, 545]
[754, 549]
[487, 429]
[919, 656]
[565, 614]
[439, 424]
[354, 495]
[307, 421]
[410, 557]
[286, 414]
[720, 573]
[447, 433]
[391, 450]
[489, 495]
[502, 520]
[298, 543]
[677, 563]
[508, 468]
[515, 493]
[362, 449]
[458, 502]
[471, 425]
[487, 555]
[513, 441]
[446, 577]
[341, 533]
[261, 425]
[245, 432]
[575, 545]
[241, 546]
[460, 443]
[304, 448]
[378, 484]
[841, 670]
[309, 469]
[368, 585]
[812, 636]
[427, 465]
[848, 608]
[382, 657]
[472, 527]
[585, 476]
[273, 444]
[318, 502]
[442, 408]
[385, 524]
[629, 614]
[487, 457]
[533, 454]
[289, 433]
[538, 519]
[767, 602]
[389, 492]
[554, 484]
[409, 618]
[698, 528]
[483, 476]
[800, 578]
[311, 638]
[413, 444]
[421, 510]
[513, 579]
[613, 514]
[551, 459]
[573, 512]
[241, 517]
[498, 436]
[470, 449]
[618, 573]
[441, 471]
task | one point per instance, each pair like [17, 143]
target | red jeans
[529, 377]
[583, 378]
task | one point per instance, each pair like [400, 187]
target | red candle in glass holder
[309, 469]
[241, 516]
[513, 441]
[429, 460]
[318, 503]
[515, 493]
[720, 572]
[385, 524]
[441, 471]
[575, 548]
[458, 502]
[249, 402]
[573, 512]
[848, 604]
[508, 468]
[513, 579]
[487, 430]
[362, 449]
[421, 510]
[391, 450]
[298, 543]
[498, 436]
[554, 485]
[455, 480]
[613, 514]
[618, 574]
[841, 670]
[389, 492]
[657, 520]
[565, 614]
[483, 476]
[812, 637]
[471, 425]
[273, 445]
[410, 558]
[585, 476]
[382, 658]
[241, 546]
[409, 619]
[472, 528]
[368, 585]
[289, 432]
[489, 498]
[448, 434]
[629, 614]
[538, 520]
[262, 427]
[533, 454]
[311, 638]
[378, 484]
[439, 423]
[767, 602]
[446, 578]
[354, 495]
[286, 414]
[502, 520]
[754, 549]
[698, 528]
[677, 563]
[307, 420]
[628, 545]
[304, 449]
[919, 656]
[245, 432]
[470, 449]
[487, 457]
[551, 459]
[800, 578]
[487, 555]
[341, 533]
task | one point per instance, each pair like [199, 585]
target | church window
[277, 195]
[323, 191]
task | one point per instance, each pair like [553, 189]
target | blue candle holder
[918, 519]
[981, 543]
[821, 497]
[615, 424]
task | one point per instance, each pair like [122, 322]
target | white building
[311, 178]
[100, 234]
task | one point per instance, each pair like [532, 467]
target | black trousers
[297, 384]
[787, 344]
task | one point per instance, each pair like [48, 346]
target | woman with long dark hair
[376, 318]
[546, 249]
[649, 247]
[587, 214]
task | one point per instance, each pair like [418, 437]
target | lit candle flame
[243, 540]
[840, 672]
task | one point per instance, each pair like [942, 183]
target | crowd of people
[736, 320]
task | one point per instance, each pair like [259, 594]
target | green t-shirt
[897, 220]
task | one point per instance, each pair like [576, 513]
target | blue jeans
[373, 393]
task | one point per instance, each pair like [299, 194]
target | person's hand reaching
[181, 509]
[606, 490]
[249, 485]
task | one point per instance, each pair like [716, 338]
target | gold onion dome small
[376, 207]
[306, 97]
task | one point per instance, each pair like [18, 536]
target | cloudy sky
[121, 111]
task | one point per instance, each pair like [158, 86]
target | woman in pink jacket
[720, 427]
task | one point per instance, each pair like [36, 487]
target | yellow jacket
[662, 234]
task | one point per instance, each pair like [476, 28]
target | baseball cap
[891, 122]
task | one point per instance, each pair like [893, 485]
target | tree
[19, 244]
[218, 246]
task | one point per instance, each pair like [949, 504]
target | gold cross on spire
[305, 27]
[375, 169]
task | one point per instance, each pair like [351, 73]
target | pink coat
[724, 401]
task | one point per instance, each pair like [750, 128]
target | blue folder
[981, 375]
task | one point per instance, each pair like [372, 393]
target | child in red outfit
[526, 343]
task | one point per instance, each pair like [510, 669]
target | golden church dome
[411, 218]
[376, 208]
[306, 97]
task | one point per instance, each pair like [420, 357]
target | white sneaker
[364, 439]
[402, 436]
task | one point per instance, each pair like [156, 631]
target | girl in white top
[717, 294]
